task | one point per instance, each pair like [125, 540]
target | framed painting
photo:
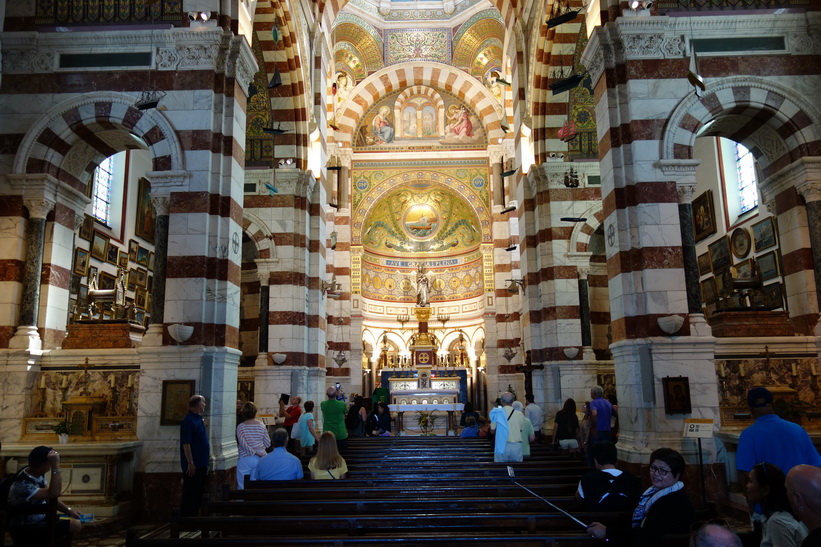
[80, 261]
[82, 295]
[145, 223]
[122, 260]
[132, 279]
[107, 281]
[133, 247]
[175, 397]
[708, 290]
[141, 299]
[142, 256]
[74, 286]
[704, 216]
[764, 234]
[92, 272]
[676, 395]
[141, 277]
[151, 261]
[86, 228]
[704, 266]
[740, 242]
[113, 254]
[768, 266]
[150, 284]
[773, 295]
[720, 254]
[99, 246]
[744, 269]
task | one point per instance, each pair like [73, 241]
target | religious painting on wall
[704, 217]
[99, 246]
[764, 234]
[676, 395]
[80, 261]
[420, 117]
[704, 266]
[145, 222]
[86, 228]
[175, 396]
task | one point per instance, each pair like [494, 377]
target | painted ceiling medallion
[421, 221]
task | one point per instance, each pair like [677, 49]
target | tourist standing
[308, 435]
[252, 442]
[534, 413]
[291, 415]
[333, 417]
[506, 422]
[601, 411]
[566, 428]
[771, 439]
[195, 451]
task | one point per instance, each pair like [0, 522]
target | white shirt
[535, 415]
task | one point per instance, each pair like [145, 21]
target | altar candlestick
[111, 381]
[42, 381]
[741, 369]
[794, 372]
[64, 382]
[722, 372]
[813, 370]
[130, 380]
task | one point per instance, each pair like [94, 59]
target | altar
[451, 409]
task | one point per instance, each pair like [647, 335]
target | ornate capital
[345, 156]
[583, 272]
[809, 190]
[496, 153]
[685, 193]
[39, 207]
[161, 203]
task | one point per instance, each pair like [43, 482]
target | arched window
[101, 191]
[747, 189]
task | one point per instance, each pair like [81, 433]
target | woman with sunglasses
[664, 508]
[766, 487]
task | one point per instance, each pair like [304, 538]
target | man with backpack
[608, 489]
[29, 487]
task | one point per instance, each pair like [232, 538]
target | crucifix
[85, 366]
[528, 369]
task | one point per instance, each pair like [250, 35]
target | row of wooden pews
[409, 490]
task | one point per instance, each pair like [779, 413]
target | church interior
[448, 198]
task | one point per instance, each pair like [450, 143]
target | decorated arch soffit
[419, 118]
[478, 43]
[358, 48]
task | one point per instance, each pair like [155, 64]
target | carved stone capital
[583, 272]
[170, 181]
[39, 207]
[496, 153]
[264, 268]
[345, 156]
[685, 192]
[809, 190]
[161, 203]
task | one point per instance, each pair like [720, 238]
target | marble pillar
[810, 190]
[584, 307]
[26, 336]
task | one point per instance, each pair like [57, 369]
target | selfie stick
[512, 475]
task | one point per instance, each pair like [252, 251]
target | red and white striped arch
[761, 103]
[398, 77]
[66, 141]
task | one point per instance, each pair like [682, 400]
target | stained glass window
[101, 197]
[747, 188]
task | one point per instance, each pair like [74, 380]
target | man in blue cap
[771, 439]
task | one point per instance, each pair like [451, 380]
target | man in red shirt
[291, 415]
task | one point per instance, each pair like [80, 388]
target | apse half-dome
[421, 223]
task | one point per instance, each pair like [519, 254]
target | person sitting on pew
[471, 430]
[608, 489]
[484, 427]
[279, 464]
[379, 422]
[31, 488]
[714, 534]
[466, 413]
[327, 464]
[664, 508]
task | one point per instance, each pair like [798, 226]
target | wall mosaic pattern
[403, 45]
[413, 14]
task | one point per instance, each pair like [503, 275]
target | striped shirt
[252, 439]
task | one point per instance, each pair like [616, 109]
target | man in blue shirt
[279, 464]
[601, 411]
[771, 439]
[195, 452]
